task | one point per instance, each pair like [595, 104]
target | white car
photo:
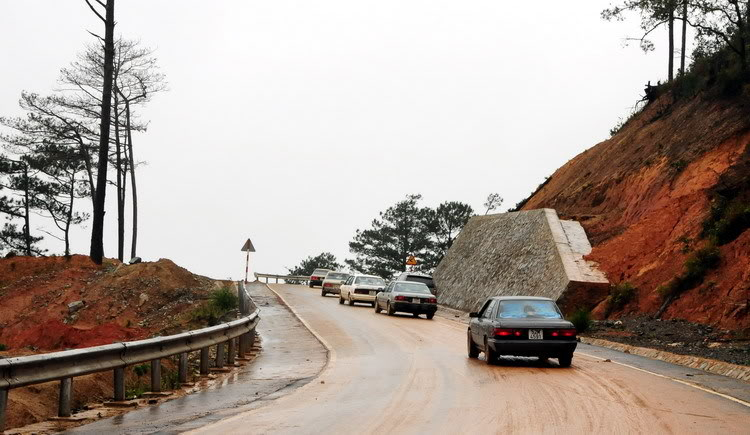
[361, 288]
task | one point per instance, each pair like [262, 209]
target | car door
[345, 287]
[379, 297]
[487, 320]
[477, 323]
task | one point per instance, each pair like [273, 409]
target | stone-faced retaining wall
[529, 253]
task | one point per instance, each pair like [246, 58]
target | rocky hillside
[666, 204]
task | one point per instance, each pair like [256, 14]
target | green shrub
[697, 266]
[136, 389]
[581, 319]
[224, 299]
[726, 220]
[619, 296]
[170, 380]
[207, 313]
[141, 369]
[3, 347]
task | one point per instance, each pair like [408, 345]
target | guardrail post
[66, 396]
[220, 355]
[204, 361]
[182, 371]
[156, 376]
[119, 384]
[3, 406]
[232, 351]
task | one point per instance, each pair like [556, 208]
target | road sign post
[247, 247]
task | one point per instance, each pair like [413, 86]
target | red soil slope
[643, 195]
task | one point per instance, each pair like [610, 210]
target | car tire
[311, 285]
[390, 309]
[430, 316]
[377, 308]
[473, 351]
[415, 315]
[489, 354]
[323, 293]
[341, 300]
[565, 360]
[351, 301]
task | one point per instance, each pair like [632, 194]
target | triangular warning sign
[248, 246]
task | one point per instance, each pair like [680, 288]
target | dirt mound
[643, 197]
[53, 303]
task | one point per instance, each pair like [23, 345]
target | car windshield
[369, 280]
[319, 272]
[423, 279]
[338, 276]
[412, 287]
[523, 309]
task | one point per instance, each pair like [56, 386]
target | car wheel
[473, 351]
[323, 293]
[351, 301]
[341, 299]
[311, 286]
[565, 360]
[430, 316]
[390, 309]
[377, 307]
[415, 315]
[489, 354]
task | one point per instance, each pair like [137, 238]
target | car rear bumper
[409, 307]
[532, 347]
[332, 290]
[316, 282]
[358, 297]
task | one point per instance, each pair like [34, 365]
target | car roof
[322, 268]
[362, 274]
[426, 275]
[521, 298]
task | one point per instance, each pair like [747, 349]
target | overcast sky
[295, 122]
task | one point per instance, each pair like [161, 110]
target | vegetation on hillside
[66, 144]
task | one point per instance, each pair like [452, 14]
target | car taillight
[328, 284]
[432, 300]
[400, 298]
[314, 278]
[503, 332]
[564, 333]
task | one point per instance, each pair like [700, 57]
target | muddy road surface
[405, 375]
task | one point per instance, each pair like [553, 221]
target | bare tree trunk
[671, 42]
[97, 228]
[69, 217]
[26, 218]
[134, 241]
[684, 36]
[118, 170]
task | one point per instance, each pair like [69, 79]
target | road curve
[406, 375]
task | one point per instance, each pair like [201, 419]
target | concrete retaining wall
[521, 253]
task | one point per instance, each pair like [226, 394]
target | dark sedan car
[408, 297]
[521, 326]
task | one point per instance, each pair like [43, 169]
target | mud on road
[405, 375]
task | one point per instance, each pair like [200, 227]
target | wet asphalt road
[406, 375]
[291, 357]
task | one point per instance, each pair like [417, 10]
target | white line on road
[689, 384]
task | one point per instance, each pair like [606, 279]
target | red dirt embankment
[118, 303]
[643, 196]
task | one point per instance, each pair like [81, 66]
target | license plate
[535, 334]
[372, 292]
[416, 300]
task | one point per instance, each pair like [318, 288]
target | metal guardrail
[287, 278]
[238, 335]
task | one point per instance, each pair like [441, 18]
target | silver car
[332, 283]
[408, 297]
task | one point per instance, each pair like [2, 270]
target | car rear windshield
[369, 280]
[528, 309]
[339, 276]
[423, 279]
[319, 272]
[412, 287]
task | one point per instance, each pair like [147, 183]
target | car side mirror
[473, 314]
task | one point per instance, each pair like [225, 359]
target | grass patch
[581, 319]
[726, 220]
[220, 303]
[170, 380]
[619, 296]
[141, 369]
[697, 266]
